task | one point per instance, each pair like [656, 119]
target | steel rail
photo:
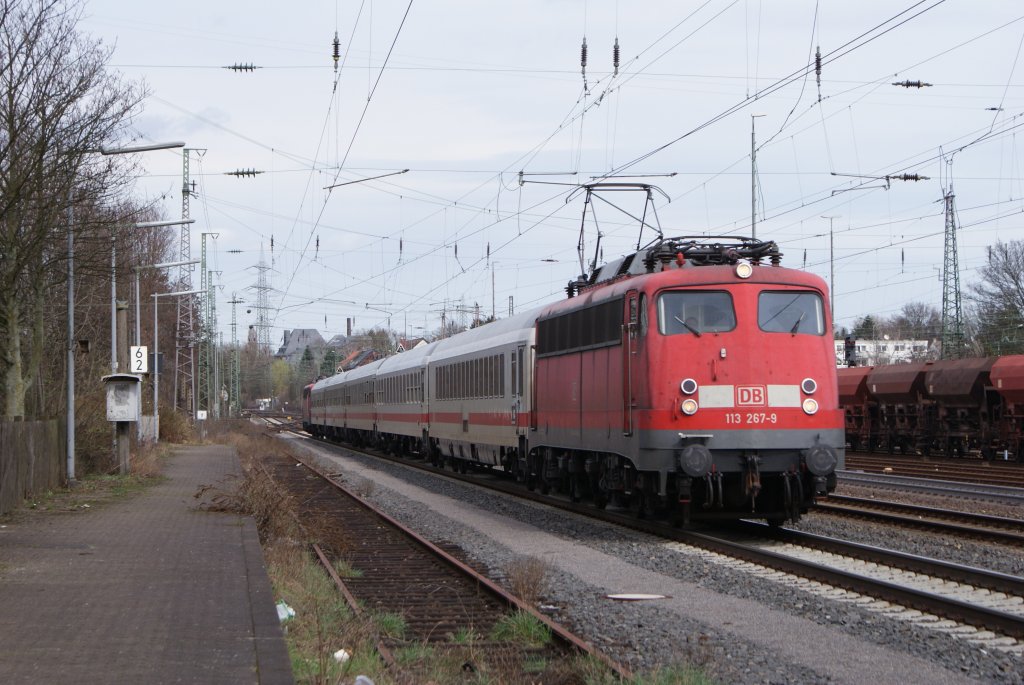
[946, 607]
[560, 632]
[996, 493]
[994, 528]
[353, 603]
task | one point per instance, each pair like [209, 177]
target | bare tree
[57, 102]
[996, 323]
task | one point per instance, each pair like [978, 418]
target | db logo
[750, 395]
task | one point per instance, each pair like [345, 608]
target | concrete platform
[149, 589]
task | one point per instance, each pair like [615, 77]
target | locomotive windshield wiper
[796, 326]
[688, 326]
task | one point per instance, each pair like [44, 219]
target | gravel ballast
[738, 627]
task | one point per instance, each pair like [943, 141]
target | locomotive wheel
[776, 521]
[575, 487]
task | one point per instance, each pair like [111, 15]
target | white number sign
[138, 359]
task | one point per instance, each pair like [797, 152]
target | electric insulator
[337, 50]
[615, 56]
[583, 54]
[817, 64]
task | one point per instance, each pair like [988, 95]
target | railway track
[971, 603]
[945, 521]
[445, 605]
[1008, 474]
[948, 488]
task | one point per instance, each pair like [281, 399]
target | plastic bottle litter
[284, 612]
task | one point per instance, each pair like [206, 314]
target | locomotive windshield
[693, 312]
[790, 312]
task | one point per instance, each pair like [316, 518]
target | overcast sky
[468, 94]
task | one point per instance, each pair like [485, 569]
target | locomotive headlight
[808, 385]
[744, 269]
[688, 386]
[810, 406]
[689, 406]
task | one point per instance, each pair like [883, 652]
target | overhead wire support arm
[887, 179]
[361, 180]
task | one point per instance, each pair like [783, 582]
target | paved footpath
[149, 589]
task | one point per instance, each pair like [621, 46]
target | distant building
[337, 342]
[882, 352]
[357, 358]
[406, 344]
[295, 343]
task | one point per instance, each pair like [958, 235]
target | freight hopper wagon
[694, 378]
[954, 407]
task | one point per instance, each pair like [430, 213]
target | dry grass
[323, 623]
[97, 489]
[175, 427]
[527, 578]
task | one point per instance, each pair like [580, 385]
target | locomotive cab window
[694, 312]
[791, 312]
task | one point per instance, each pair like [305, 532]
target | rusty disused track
[945, 521]
[438, 595]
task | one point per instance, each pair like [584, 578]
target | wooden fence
[32, 459]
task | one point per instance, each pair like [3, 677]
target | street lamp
[138, 311]
[71, 297]
[156, 351]
[113, 285]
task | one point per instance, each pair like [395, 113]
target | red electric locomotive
[696, 376]
[691, 374]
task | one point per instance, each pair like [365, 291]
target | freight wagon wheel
[775, 521]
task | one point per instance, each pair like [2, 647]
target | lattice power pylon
[234, 383]
[184, 358]
[952, 322]
[262, 288]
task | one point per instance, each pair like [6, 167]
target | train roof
[853, 384]
[514, 329]
[899, 383]
[958, 381]
[1007, 376]
[410, 359]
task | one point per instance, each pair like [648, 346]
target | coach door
[630, 328]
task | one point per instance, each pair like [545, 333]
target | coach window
[695, 312]
[791, 312]
[643, 315]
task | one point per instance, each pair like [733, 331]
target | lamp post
[156, 349]
[71, 297]
[138, 306]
